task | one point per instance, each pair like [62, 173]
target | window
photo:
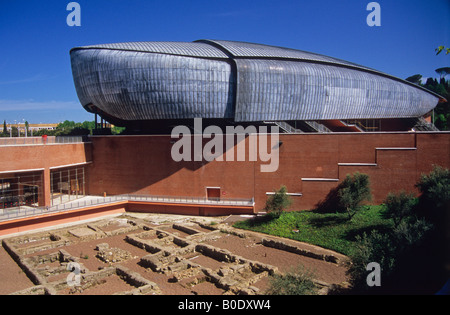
[67, 184]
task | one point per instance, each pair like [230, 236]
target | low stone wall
[187, 260]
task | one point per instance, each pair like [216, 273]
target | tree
[353, 191]
[90, 125]
[435, 193]
[441, 49]
[65, 127]
[278, 202]
[42, 132]
[416, 79]
[392, 250]
[14, 131]
[5, 130]
[442, 110]
[370, 247]
[27, 126]
[117, 130]
[443, 72]
[399, 206]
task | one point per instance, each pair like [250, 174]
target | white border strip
[396, 148]
[357, 164]
[69, 165]
[290, 194]
[23, 171]
[318, 179]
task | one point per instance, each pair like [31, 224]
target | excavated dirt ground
[157, 254]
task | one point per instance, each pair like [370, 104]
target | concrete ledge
[318, 179]
[289, 194]
[69, 216]
[397, 148]
[357, 164]
[23, 171]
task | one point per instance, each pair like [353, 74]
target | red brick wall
[143, 164]
[24, 158]
[43, 156]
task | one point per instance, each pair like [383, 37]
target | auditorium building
[331, 118]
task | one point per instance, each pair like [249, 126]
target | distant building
[31, 127]
[42, 126]
[35, 127]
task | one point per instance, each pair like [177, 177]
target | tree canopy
[441, 87]
[441, 49]
[416, 79]
[443, 71]
[65, 128]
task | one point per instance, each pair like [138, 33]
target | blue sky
[35, 75]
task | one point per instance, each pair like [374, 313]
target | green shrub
[278, 202]
[410, 233]
[353, 191]
[298, 281]
[435, 194]
[373, 247]
[387, 249]
[399, 206]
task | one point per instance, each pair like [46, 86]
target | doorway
[213, 193]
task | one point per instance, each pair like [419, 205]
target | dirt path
[12, 278]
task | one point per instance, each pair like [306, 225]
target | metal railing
[423, 125]
[70, 139]
[192, 200]
[26, 211]
[317, 126]
[362, 127]
[6, 141]
[288, 128]
[284, 126]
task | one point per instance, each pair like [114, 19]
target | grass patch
[328, 230]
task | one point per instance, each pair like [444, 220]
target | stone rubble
[173, 254]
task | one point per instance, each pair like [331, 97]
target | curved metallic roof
[221, 49]
[250, 50]
[132, 85]
[239, 49]
[172, 48]
[242, 81]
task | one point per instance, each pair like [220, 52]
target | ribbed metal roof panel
[244, 81]
[289, 90]
[131, 85]
[172, 48]
[251, 50]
